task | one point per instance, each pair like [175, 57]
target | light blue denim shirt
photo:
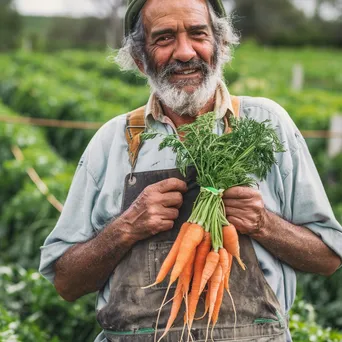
[292, 190]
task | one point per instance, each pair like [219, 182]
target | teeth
[187, 72]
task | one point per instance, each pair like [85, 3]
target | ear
[140, 65]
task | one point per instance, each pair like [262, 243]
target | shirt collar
[223, 104]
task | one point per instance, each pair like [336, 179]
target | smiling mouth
[186, 72]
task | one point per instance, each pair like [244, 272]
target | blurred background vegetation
[56, 68]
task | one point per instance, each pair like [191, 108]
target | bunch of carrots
[202, 255]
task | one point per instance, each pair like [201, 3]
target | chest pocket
[157, 252]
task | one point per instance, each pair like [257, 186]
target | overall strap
[236, 105]
[236, 113]
[135, 125]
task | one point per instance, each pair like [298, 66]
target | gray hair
[134, 44]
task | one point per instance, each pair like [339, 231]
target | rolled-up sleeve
[74, 225]
[306, 203]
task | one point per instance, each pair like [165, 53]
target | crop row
[37, 94]
[113, 90]
[25, 214]
[321, 67]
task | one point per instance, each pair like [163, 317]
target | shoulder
[96, 155]
[264, 108]
[261, 109]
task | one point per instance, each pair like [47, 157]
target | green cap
[135, 6]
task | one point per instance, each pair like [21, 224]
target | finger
[237, 222]
[249, 218]
[172, 199]
[168, 213]
[236, 203]
[171, 214]
[167, 225]
[172, 184]
[237, 212]
[240, 192]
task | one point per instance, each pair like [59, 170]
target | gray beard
[178, 100]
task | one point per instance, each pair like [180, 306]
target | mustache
[179, 66]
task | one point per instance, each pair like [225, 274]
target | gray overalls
[131, 313]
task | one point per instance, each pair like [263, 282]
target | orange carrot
[227, 275]
[176, 304]
[209, 268]
[207, 302]
[191, 240]
[189, 243]
[216, 280]
[186, 275]
[171, 257]
[185, 278]
[217, 307]
[231, 243]
[201, 255]
[226, 286]
[218, 303]
[224, 260]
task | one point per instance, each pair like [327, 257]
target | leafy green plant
[34, 312]
[303, 325]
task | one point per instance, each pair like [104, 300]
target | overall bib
[131, 312]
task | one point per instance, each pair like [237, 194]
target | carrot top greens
[228, 160]
[221, 162]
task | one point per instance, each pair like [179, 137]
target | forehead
[163, 13]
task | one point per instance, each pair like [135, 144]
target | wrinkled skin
[155, 209]
[245, 209]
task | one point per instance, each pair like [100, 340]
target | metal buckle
[132, 180]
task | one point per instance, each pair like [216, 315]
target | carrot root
[235, 315]
[164, 299]
[242, 265]
[148, 286]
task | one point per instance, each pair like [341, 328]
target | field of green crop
[84, 86]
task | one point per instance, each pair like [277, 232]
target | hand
[245, 209]
[155, 209]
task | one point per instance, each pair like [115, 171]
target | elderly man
[124, 207]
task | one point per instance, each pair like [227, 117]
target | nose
[184, 51]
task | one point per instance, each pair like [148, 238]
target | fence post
[297, 77]
[335, 143]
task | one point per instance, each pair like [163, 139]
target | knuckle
[177, 183]
[146, 195]
[256, 194]
[153, 226]
[175, 213]
[152, 211]
[240, 191]
[179, 197]
[260, 203]
[174, 182]
[168, 225]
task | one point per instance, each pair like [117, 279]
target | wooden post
[297, 77]
[335, 143]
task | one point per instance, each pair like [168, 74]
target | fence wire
[41, 186]
[85, 125]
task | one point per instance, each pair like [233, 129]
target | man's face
[179, 42]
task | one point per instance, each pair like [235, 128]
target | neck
[185, 119]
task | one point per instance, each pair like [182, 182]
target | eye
[199, 34]
[164, 40]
